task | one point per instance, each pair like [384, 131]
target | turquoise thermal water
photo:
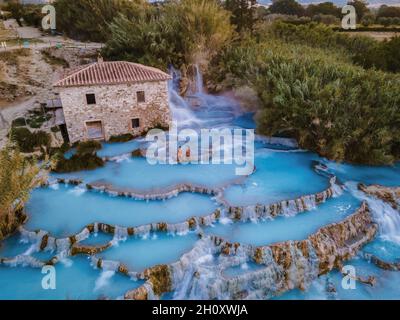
[137, 173]
[76, 279]
[287, 228]
[281, 174]
[386, 287]
[141, 253]
[48, 209]
[384, 175]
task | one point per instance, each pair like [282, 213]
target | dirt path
[9, 113]
[34, 67]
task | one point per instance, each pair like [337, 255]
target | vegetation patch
[18, 177]
[85, 158]
[54, 61]
[339, 110]
[28, 141]
[88, 147]
[19, 122]
[55, 129]
[121, 138]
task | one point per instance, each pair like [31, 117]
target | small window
[90, 98]
[140, 96]
[135, 123]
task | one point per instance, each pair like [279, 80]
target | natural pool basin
[386, 287]
[384, 175]
[159, 248]
[66, 210]
[76, 279]
[138, 174]
[279, 175]
[280, 229]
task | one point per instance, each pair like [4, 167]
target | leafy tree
[362, 50]
[243, 13]
[290, 7]
[88, 19]
[16, 9]
[326, 8]
[180, 32]
[18, 176]
[388, 11]
[361, 8]
[385, 21]
[326, 19]
[368, 19]
[32, 15]
[339, 110]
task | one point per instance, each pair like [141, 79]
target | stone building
[106, 99]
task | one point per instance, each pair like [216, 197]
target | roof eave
[56, 85]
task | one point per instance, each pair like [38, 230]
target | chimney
[100, 59]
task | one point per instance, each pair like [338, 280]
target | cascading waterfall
[210, 111]
[384, 214]
[180, 109]
[199, 80]
[120, 234]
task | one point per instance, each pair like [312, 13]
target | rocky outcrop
[388, 194]
[341, 241]
[286, 207]
[88, 250]
[236, 214]
[385, 265]
[287, 265]
[161, 194]
[160, 278]
[140, 293]
[22, 260]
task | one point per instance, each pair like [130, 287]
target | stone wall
[115, 106]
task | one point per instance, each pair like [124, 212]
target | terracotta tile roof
[110, 72]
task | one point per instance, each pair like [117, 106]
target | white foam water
[383, 213]
[104, 279]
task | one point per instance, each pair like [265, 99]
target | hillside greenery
[338, 94]
[341, 111]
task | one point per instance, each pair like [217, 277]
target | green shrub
[37, 118]
[54, 61]
[79, 162]
[121, 138]
[362, 50]
[18, 122]
[59, 151]
[85, 157]
[28, 141]
[339, 110]
[88, 147]
[55, 129]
